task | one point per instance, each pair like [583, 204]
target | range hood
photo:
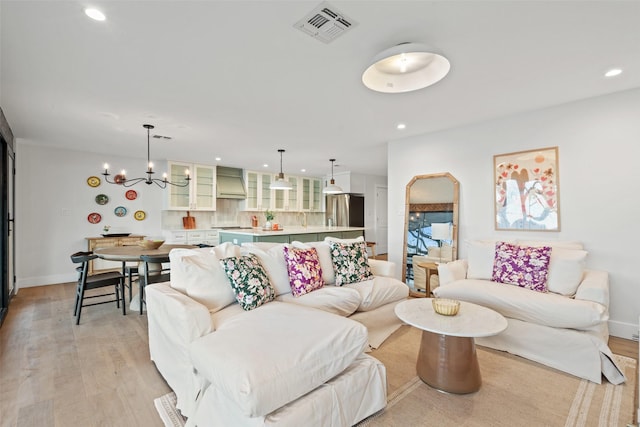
[229, 183]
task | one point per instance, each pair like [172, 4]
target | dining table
[133, 253]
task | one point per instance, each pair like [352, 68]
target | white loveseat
[564, 328]
[294, 361]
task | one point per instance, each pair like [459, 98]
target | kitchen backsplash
[228, 214]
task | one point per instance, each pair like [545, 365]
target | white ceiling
[235, 79]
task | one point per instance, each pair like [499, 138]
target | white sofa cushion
[379, 291]
[274, 264]
[566, 270]
[552, 244]
[452, 271]
[199, 275]
[518, 303]
[271, 369]
[480, 256]
[338, 300]
[347, 241]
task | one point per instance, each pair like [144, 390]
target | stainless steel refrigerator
[345, 210]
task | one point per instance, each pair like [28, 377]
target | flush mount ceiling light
[280, 183]
[332, 188]
[95, 14]
[405, 68]
[613, 72]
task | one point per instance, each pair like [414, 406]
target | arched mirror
[430, 227]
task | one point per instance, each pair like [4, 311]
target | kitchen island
[289, 234]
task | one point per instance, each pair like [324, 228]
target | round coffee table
[447, 360]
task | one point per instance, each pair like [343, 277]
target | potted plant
[269, 217]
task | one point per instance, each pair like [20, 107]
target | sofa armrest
[382, 268]
[594, 287]
[175, 320]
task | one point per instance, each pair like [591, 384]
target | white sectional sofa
[564, 327]
[293, 361]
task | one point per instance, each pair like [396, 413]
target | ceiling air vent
[325, 23]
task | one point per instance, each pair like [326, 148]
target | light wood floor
[54, 373]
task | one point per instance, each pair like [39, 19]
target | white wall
[599, 177]
[53, 201]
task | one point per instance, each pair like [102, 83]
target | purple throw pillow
[305, 273]
[523, 266]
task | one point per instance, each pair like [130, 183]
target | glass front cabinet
[260, 197]
[200, 194]
[310, 195]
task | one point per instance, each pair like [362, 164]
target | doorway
[382, 220]
[7, 206]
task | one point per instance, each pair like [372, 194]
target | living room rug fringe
[169, 414]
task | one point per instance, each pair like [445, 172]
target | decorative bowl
[150, 244]
[446, 307]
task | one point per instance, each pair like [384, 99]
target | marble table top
[471, 321]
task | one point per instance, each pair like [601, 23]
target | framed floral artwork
[527, 190]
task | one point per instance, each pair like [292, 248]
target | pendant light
[405, 68]
[280, 183]
[121, 178]
[332, 188]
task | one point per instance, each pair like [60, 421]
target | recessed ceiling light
[218, 159]
[613, 72]
[303, 170]
[265, 165]
[401, 126]
[95, 14]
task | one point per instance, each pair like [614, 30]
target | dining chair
[155, 269]
[129, 271]
[94, 281]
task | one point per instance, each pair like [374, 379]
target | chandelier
[121, 178]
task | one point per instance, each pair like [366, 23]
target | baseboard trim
[622, 329]
[30, 282]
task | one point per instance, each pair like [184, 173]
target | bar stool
[129, 271]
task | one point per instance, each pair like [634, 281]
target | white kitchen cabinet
[310, 195]
[286, 200]
[305, 194]
[259, 195]
[192, 237]
[200, 194]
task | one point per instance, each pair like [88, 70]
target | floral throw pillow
[350, 262]
[524, 266]
[305, 274]
[249, 281]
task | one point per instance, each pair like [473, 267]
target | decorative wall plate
[93, 181]
[94, 218]
[102, 199]
[131, 195]
[120, 211]
[119, 179]
[140, 215]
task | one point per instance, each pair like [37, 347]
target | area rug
[514, 392]
[170, 415]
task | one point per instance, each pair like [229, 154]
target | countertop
[290, 230]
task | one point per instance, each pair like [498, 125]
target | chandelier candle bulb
[162, 183]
